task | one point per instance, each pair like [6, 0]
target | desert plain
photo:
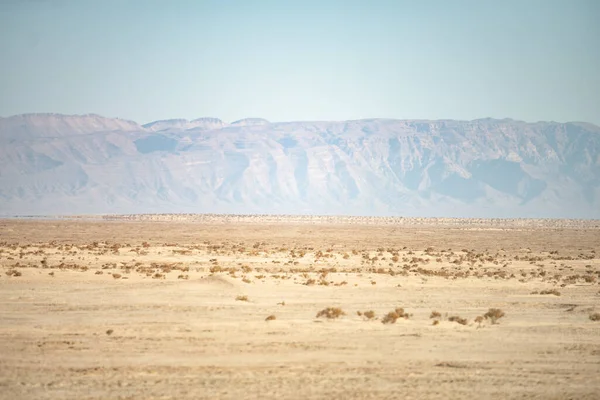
[161, 307]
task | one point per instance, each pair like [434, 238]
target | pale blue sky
[302, 60]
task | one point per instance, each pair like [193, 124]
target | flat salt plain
[175, 306]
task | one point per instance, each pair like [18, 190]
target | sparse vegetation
[457, 319]
[270, 318]
[551, 291]
[331, 313]
[390, 318]
[241, 298]
[369, 314]
[595, 316]
[494, 314]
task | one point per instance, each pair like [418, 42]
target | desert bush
[270, 318]
[369, 314]
[390, 318]
[494, 314]
[435, 322]
[456, 318]
[595, 317]
[331, 313]
[241, 298]
[551, 291]
[435, 314]
[116, 276]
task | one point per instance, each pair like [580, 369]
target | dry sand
[155, 309]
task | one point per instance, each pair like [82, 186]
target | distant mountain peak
[52, 163]
[250, 122]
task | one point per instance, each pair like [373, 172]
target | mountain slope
[56, 164]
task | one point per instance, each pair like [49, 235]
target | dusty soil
[175, 309]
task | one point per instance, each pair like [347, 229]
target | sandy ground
[119, 309]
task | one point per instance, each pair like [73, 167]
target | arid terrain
[235, 308]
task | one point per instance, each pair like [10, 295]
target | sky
[290, 60]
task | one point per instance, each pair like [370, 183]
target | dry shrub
[479, 319]
[270, 318]
[109, 332]
[435, 322]
[369, 314]
[435, 314]
[595, 317]
[390, 318]
[551, 291]
[456, 318]
[242, 298]
[494, 314]
[116, 276]
[331, 313]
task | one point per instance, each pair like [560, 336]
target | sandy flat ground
[155, 309]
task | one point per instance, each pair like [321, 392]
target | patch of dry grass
[331, 313]
[456, 318]
[494, 314]
[551, 291]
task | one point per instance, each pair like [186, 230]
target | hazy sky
[302, 60]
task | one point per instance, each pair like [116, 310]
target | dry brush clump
[270, 318]
[595, 317]
[494, 314]
[368, 315]
[331, 313]
[241, 298]
[551, 291]
[435, 314]
[393, 316]
[456, 318]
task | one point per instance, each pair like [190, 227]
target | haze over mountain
[88, 164]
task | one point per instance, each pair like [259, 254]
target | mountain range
[52, 164]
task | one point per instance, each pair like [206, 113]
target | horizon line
[294, 121]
